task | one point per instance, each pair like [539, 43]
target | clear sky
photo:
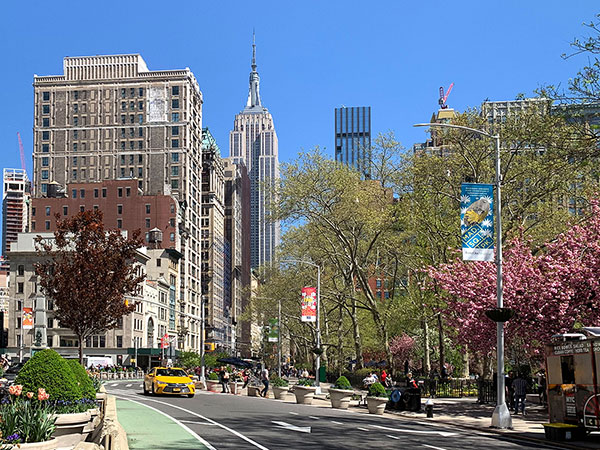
[312, 56]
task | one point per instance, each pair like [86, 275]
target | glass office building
[353, 137]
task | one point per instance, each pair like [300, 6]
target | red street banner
[27, 318]
[309, 304]
[164, 341]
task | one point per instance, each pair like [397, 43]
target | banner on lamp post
[273, 330]
[309, 304]
[27, 318]
[477, 221]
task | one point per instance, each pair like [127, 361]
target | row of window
[76, 95]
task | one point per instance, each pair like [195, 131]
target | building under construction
[16, 200]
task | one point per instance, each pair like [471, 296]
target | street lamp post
[501, 416]
[318, 359]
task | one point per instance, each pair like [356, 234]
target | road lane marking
[237, 433]
[289, 426]
[195, 422]
[129, 385]
[362, 429]
[314, 417]
[294, 413]
[337, 423]
[115, 384]
[433, 447]
[391, 436]
[406, 430]
[186, 428]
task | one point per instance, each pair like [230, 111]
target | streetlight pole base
[318, 390]
[501, 417]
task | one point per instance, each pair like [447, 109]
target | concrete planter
[212, 385]
[280, 392]
[45, 445]
[71, 429]
[304, 394]
[235, 387]
[376, 405]
[340, 398]
[253, 391]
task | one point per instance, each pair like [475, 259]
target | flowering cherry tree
[550, 291]
[402, 347]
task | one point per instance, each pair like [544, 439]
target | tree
[553, 290]
[87, 271]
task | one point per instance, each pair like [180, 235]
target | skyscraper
[253, 143]
[109, 117]
[15, 206]
[353, 137]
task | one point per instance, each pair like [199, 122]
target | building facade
[109, 117]
[353, 138]
[16, 197]
[253, 143]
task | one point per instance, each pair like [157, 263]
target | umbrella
[236, 362]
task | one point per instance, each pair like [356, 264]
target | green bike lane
[147, 427]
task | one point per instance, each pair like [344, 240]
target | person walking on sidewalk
[264, 377]
[519, 385]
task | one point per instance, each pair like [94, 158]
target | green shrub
[97, 382]
[377, 390]
[213, 376]
[279, 382]
[47, 369]
[82, 379]
[342, 383]
[306, 382]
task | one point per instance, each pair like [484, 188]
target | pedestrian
[264, 377]
[384, 378]
[510, 391]
[223, 380]
[305, 373]
[542, 387]
[519, 387]
[411, 382]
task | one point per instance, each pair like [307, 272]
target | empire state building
[253, 143]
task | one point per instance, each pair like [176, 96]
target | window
[50, 322]
[123, 118]
[119, 209]
[20, 287]
[65, 210]
[46, 96]
[46, 109]
[140, 172]
[75, 95]
[47, 225]
[140, 119]
[147, 209]
[119, 223]
[141, 92]
[122, 132]
[74, 160]
[175, 143]
[172, 208]
[122, 159]
[141, 106]
[132, 92]
[75, 134]
[131, 106]
[50, 305]
[74, 174]
[123, 93]
[103, 192]
[33, 222]
[45, 135]
[174, 117]
[128, 192]
[175, 90]
[140, 132]
[122, 172]
[175, 103]
[33, 212]
[174, 184]
[45, 122]
[82, 193]
[158, 262]
[75, 108]
[44, 174]
[47, 210]
[131, 144]
[75, 147]
[172, 222]
[175, 171]
[123, 145]
[175, 131]
[119, 341]
[147, 223]
[120, 192]
[140, 145]
[45, 161]
[131, 118]
[74, 193]
[21, 270]
[75, 121]
[175, 157]
[45, 148]
[82, 208]
[96, 193]
[172, 237]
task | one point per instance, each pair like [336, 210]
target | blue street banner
[477, 221]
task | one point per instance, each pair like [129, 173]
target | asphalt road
[224, 421]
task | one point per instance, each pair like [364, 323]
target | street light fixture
[501, 416]
[318, 360]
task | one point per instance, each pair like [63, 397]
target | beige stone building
[109, 117]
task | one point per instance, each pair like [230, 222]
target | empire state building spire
[253, 93]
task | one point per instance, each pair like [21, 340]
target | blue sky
[312, 56]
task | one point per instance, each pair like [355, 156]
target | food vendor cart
[573, 370]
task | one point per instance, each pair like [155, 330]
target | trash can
[322, 374]
[412, 399]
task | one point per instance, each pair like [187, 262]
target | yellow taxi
[169, 380]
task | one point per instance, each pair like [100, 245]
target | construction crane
[443, 98]
[23, 166]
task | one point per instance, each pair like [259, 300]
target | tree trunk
[383, 334]
[356, 332]
[441, 340]
[340, 339]
[80, 337]
[465, 357]
[427, 356]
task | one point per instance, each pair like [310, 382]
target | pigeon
[477, 212]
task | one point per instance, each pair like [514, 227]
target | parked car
[169, 380]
